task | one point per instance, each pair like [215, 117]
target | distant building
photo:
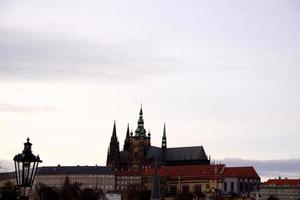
[128, 180]
[139, 153]
[7, 176]
[241, 181]
[95, 177]
[205, 180]
[182, 170]
[283, 189]
[194, 179]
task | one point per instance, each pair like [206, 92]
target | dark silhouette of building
[138, 151]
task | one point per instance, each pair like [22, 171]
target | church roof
[154, 152]
[177, 153]
[186, 153]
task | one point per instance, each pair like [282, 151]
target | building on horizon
[138, 152]
[94, 177]
[283, 189]
[182, 170]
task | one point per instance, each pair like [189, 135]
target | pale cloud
[216, 70]
[25, 109]
[268, 168]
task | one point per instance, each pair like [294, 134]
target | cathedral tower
[113, 154]
[139, 144]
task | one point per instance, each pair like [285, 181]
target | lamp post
[26, 165]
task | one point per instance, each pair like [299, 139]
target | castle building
[139, 153]
[280, 189]
[95, 177]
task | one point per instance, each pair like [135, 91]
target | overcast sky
[223, 74]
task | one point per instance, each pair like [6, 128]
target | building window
[232, 186]
[185, 189]
[197, 189]
[225, 186]
[241, 186]
[173, 190]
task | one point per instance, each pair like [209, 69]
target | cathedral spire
[140, 131]
[127, 142]
[114, 133]
[113, 155]
[127, 132]
[164, 138]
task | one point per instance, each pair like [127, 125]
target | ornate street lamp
[26, 165]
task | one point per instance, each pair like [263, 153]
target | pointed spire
[127, 132]
[155, 192]
[127, 140]
[164, 134]
[141, 110]
[164, 138]
[140, 131]
[113, 155]
[114, 133]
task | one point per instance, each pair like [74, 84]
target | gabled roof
[155, 153]
[189, 171]
[69, 170]
[177, 153]
[282, 182]
[247, 172]
[186, 153]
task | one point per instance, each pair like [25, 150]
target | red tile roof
[281, 182]
[247, 172]
[189, 171]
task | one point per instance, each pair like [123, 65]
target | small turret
[164, 139]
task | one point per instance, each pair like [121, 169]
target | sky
[224, 75]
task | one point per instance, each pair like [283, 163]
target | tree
[184, 196]
[89, 194]
[70, 191]
[145, 195]
[46, 193]
[8, 191]
[272, 198]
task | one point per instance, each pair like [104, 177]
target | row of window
[244, 186]
[128, 177]
[127, 182]
[186, 189]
